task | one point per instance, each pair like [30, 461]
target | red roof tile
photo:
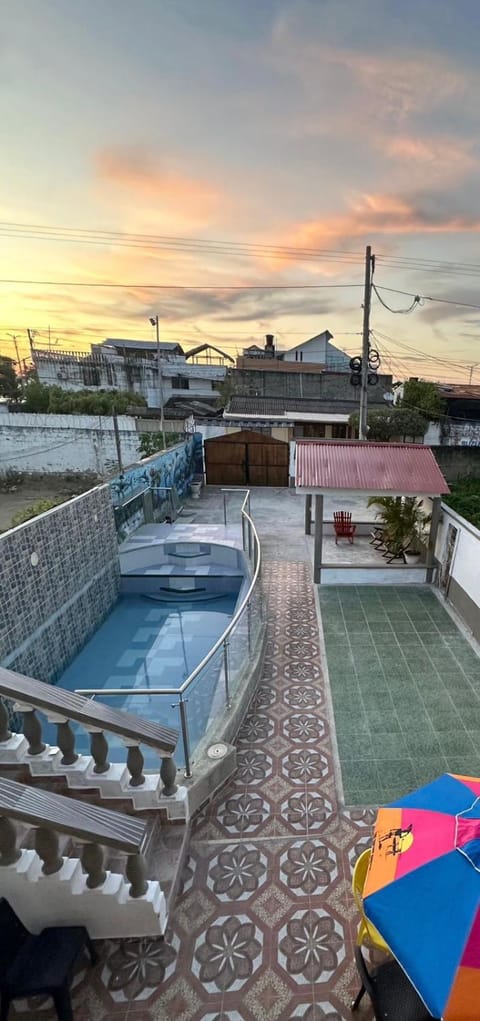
[403, 468]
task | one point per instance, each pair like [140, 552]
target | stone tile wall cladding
[48, 611]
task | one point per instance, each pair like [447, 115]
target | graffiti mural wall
[158, 481]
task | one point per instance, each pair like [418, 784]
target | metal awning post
[318, 540]
[308, 514]
[432, 538]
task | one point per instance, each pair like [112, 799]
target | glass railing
[209, 689]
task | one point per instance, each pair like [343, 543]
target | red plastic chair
[342, 523]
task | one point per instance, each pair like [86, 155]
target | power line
[416, 351]
[397, 311]
[81, 235]
[181, 287]
[200, 337]
[167, 242]
[427, 297]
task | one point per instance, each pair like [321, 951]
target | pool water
[145, 643]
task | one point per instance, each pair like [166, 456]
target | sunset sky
[289, 124]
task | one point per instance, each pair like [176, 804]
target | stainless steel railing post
[182, 705]
[249, 627]
[226, 673]
[225, 509]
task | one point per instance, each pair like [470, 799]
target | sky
[225, 163]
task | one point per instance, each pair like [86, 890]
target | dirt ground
[20, 493]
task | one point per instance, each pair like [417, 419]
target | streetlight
[472, 368]
[154, 322]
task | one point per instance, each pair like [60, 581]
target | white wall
[311, 351]
[138, 377]
[465, 567]
[432, 436]
[65, 443]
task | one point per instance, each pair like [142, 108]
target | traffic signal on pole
[355, 371]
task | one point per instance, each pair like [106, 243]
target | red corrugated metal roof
[403, 468]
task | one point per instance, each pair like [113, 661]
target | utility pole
[14, 337]
[117, 440]
[369, 267]
[154, 321]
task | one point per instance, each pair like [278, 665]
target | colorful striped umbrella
[423, 892]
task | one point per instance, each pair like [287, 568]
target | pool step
[196, 581]
[150, 557]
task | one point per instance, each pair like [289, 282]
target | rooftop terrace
[264, 925]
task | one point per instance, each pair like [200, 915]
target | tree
[406, 422]
[386, 424]
[226, 389]
[424, 398]
[9, 385]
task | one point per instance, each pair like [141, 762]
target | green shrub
[55, 401]
[152, 443]
[465, 499]
[32, 512]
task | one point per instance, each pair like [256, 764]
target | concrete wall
[60, 577]
[455, 462]
[458, 552]
[323, 386]
[65, 443]
[453, 434]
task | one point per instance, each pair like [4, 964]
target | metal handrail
[222, 641]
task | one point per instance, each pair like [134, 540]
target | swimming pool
[150, 642]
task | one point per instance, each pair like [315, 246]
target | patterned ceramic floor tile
[264, 923]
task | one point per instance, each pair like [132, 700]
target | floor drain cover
[217, 751]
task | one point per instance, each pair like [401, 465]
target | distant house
[316, 351]
[139, 348]
[207, 354]
[460, 424]
[133, 365]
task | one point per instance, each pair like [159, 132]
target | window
[180, 383]
[314, 430]
[91, 375]
[339, 431]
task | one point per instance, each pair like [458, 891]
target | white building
[133, 366]
[320, 351]
[317, 351]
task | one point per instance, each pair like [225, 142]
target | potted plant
[195, 487]
[404, 521]
[415, 522]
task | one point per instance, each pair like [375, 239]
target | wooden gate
[246, 458]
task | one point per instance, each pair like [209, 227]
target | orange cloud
[167, 193]
[374, 214]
